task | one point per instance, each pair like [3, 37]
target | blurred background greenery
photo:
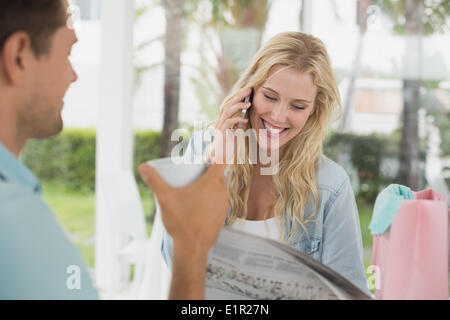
[66, 166]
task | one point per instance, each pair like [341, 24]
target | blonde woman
[308, 203]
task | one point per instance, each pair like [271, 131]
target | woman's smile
[272, 130]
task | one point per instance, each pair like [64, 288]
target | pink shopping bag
[412, 255]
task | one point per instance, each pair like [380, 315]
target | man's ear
[16, 57]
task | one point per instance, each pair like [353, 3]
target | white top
[264, 228]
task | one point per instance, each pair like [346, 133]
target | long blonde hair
[296, 179]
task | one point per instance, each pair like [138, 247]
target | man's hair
[38, 18]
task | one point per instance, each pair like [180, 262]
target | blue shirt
[335, 235]
[37, 260]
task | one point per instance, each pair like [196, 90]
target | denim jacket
[334, 236]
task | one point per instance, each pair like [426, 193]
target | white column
[307, 16]
[115, 128]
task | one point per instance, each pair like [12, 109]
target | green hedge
[69, 158]
[442, 121]
[367, 153]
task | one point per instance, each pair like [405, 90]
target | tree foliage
[435, 19]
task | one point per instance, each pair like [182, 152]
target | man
[37, 258]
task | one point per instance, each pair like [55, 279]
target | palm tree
[238, 26]
[410, 173]
[414, 19]
[247, 14]
[363, 5]
[174, 10]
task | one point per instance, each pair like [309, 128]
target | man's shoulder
[35, 249]
[10, 190]
[19, 203]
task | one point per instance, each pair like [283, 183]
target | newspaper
[242, 266]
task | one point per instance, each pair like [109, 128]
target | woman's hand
[222, 151]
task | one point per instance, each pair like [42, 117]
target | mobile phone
[249, 98]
